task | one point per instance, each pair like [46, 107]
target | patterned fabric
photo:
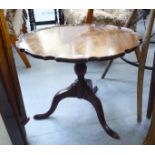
[107, 16]
[15, 21]
[74, 16]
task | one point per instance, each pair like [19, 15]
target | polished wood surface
[82, 42]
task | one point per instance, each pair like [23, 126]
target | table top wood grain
[79, 43]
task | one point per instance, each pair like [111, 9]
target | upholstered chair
[105, 16]
[16, 26]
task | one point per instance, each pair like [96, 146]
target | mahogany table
[79, 44]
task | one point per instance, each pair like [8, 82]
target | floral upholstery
[106, 16]
[74, 16]
[14, 18]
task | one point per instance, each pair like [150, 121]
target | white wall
[4, 137]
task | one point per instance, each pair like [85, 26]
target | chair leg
[140, 92]
[138, 54]
[107, 68]
[131, 20]
[89, 17]
[23, 57]
[151, 92]
[127, 24]
[150, 104]
[141, 68]
[150, 137]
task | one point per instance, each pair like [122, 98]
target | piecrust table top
[79, 43]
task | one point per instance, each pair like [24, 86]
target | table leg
[95, 101]
[81, 88]
[68, 92]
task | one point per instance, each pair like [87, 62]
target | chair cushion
[74, 16]
[15, 21]
[107, 16]
[120, 16]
